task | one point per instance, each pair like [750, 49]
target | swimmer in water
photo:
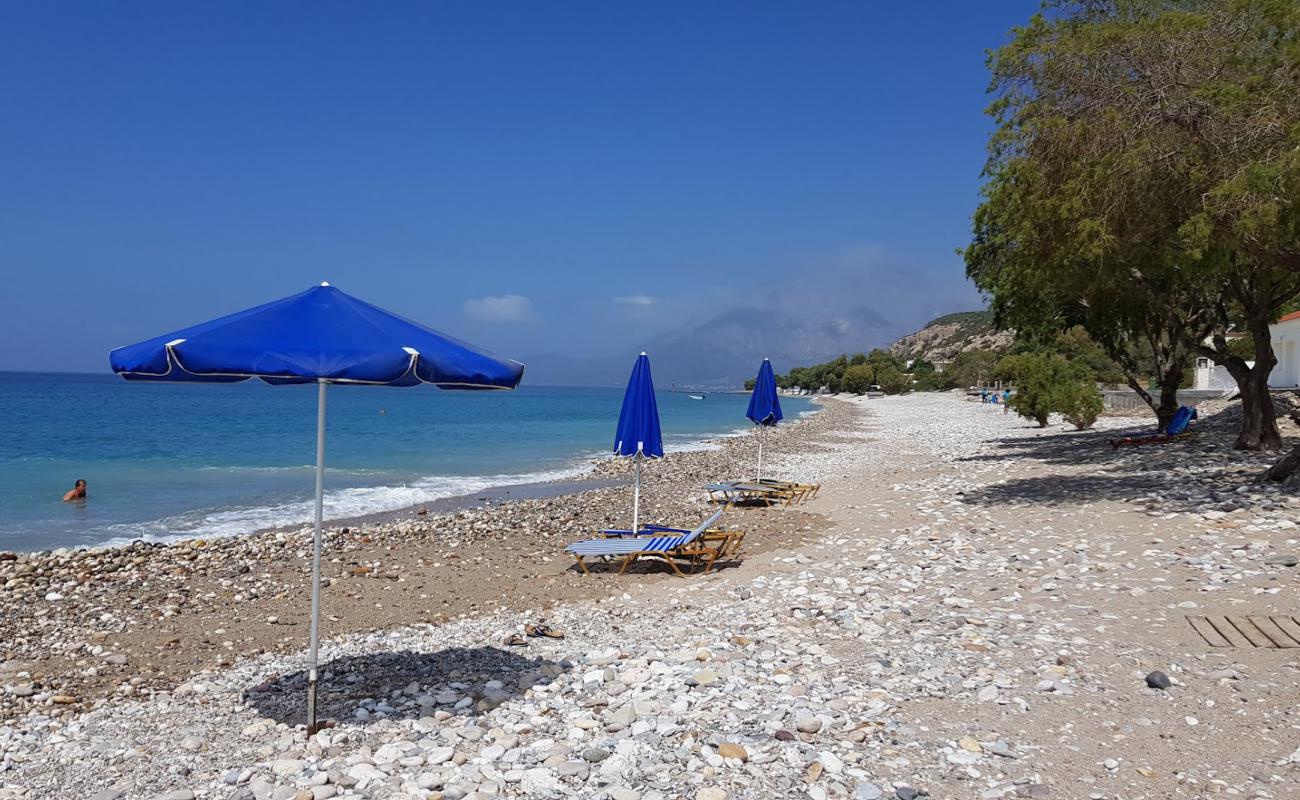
[78, 492]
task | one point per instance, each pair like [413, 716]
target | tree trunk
[1284, 468]
[1167, 406]
[1258, 419]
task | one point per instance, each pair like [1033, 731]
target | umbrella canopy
[764, 404]
[764, 407]
[319, 336]
[638, 432]
[638, 421]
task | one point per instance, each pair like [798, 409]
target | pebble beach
[971, 608]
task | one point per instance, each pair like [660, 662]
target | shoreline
[489, 497]
[90, 624]
[578, 476]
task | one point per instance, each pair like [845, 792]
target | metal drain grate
[1250, 631]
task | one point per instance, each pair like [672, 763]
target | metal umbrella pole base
[311, 704]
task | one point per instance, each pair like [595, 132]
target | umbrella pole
[315, 560]
[636, 498]
[759, 476]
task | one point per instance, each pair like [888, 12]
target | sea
[169, 461]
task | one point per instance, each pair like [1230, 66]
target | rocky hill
[726, 349]
[943, 338]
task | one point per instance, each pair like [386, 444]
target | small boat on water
[696, 396]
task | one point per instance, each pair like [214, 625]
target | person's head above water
[81, 483]
[77, 492]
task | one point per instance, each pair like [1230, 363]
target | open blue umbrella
[764, 407]
[319, 336]
[638, 433]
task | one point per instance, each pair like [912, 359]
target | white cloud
[638, 300]
[500, 308]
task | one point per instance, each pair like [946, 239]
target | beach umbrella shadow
[404, 685]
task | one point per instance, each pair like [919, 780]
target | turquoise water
[171, 460]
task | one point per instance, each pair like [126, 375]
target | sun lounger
[804, 491]
[646, 530]
[740, 491]
[1178, 429]
[699, 547]
[737, 491]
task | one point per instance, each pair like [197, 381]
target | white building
[1286, 345]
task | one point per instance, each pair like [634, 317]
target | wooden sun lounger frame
[705, 550]
[732, 493]
[771, 491]
[805, 491]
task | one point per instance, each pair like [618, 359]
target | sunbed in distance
[740, 491]
[804, 491]
[1178, 429]
[699, 547]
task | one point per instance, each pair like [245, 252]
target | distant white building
[1286, 345]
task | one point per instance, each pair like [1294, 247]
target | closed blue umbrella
[764, 407]
[638, 432]
[319, 336]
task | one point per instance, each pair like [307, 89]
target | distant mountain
[727, 350]
[943, 338]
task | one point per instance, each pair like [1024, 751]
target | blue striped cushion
[628, 545]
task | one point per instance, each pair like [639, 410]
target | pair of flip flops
[515, 640]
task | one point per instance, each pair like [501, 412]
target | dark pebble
[784, 736]
[1158, 680]
[905, 793]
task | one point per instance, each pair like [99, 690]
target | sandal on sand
[514, 640]
[543, 630]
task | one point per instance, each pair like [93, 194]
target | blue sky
[571, 177]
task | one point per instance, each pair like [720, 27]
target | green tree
[1047, 382]
[1144, 181]
[1242, 346]
[893, 380]
[932, 381]
[1079, 402]
[857, 378]
[1076, 345]
[972, 367]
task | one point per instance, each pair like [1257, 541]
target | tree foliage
[858, 374]
[1047, 382]
[1142, 182]
[972, 367]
